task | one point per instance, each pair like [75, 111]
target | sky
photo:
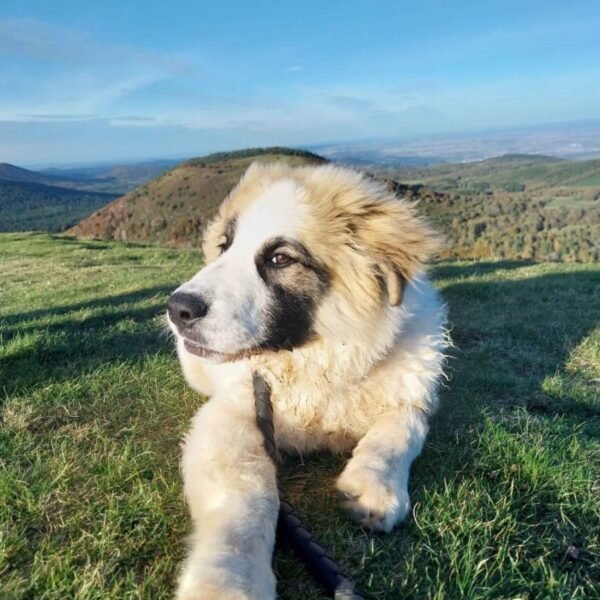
[129, 80]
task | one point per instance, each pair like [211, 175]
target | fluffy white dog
[314, 280]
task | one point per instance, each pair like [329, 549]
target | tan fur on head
[355, 219]
[399, 240]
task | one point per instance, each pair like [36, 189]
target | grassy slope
[93, 408]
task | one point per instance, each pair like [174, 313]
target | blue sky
[132, 80]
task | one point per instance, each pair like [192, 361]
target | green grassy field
[506, 493]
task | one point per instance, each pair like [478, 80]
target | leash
[289, 526]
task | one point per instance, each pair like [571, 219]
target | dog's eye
[281, 260]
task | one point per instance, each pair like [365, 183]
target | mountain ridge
[501, 207]
[10, 172]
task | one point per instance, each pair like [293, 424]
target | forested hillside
[29, 206]
[516, 206]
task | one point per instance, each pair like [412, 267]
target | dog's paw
[371, 500]
[210, 591]
[234, 579]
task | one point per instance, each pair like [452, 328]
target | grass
[93, 406]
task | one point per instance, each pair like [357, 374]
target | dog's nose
[185, 308]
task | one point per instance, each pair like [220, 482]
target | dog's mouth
[198, 350]
[203, 352]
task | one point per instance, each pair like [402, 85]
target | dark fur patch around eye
[298, 252]
[291, 319]
[296, 292]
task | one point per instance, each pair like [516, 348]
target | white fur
[239, 300]
[279, 211]
[366, 390]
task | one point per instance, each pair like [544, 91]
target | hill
[174, 208]
[94, 407]
[514, 206]
[10, 172]
[26, 206]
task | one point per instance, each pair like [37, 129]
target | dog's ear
[394, 283]
[399, 241]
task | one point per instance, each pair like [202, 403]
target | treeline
[254, 152]
[516, 225]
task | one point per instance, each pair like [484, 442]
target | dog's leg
[231, 490]
[374, 484]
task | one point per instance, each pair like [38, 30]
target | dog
[314, 280]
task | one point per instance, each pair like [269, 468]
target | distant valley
[55, 199]
[112, 178]
[34, 206]
[578, 141]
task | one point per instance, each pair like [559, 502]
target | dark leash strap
[289, 526]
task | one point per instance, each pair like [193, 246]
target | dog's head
[297, 254]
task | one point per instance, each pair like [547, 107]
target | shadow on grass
[441, 271]
[45, 353]
[95, 243]
[86, 244]
[104, 302]
[510, 337]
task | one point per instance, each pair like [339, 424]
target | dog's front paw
[231, 577]
[373, 501]
[210, 591]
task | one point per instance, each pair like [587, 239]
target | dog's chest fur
[322, 398]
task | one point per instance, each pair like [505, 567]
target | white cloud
[72, 72]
